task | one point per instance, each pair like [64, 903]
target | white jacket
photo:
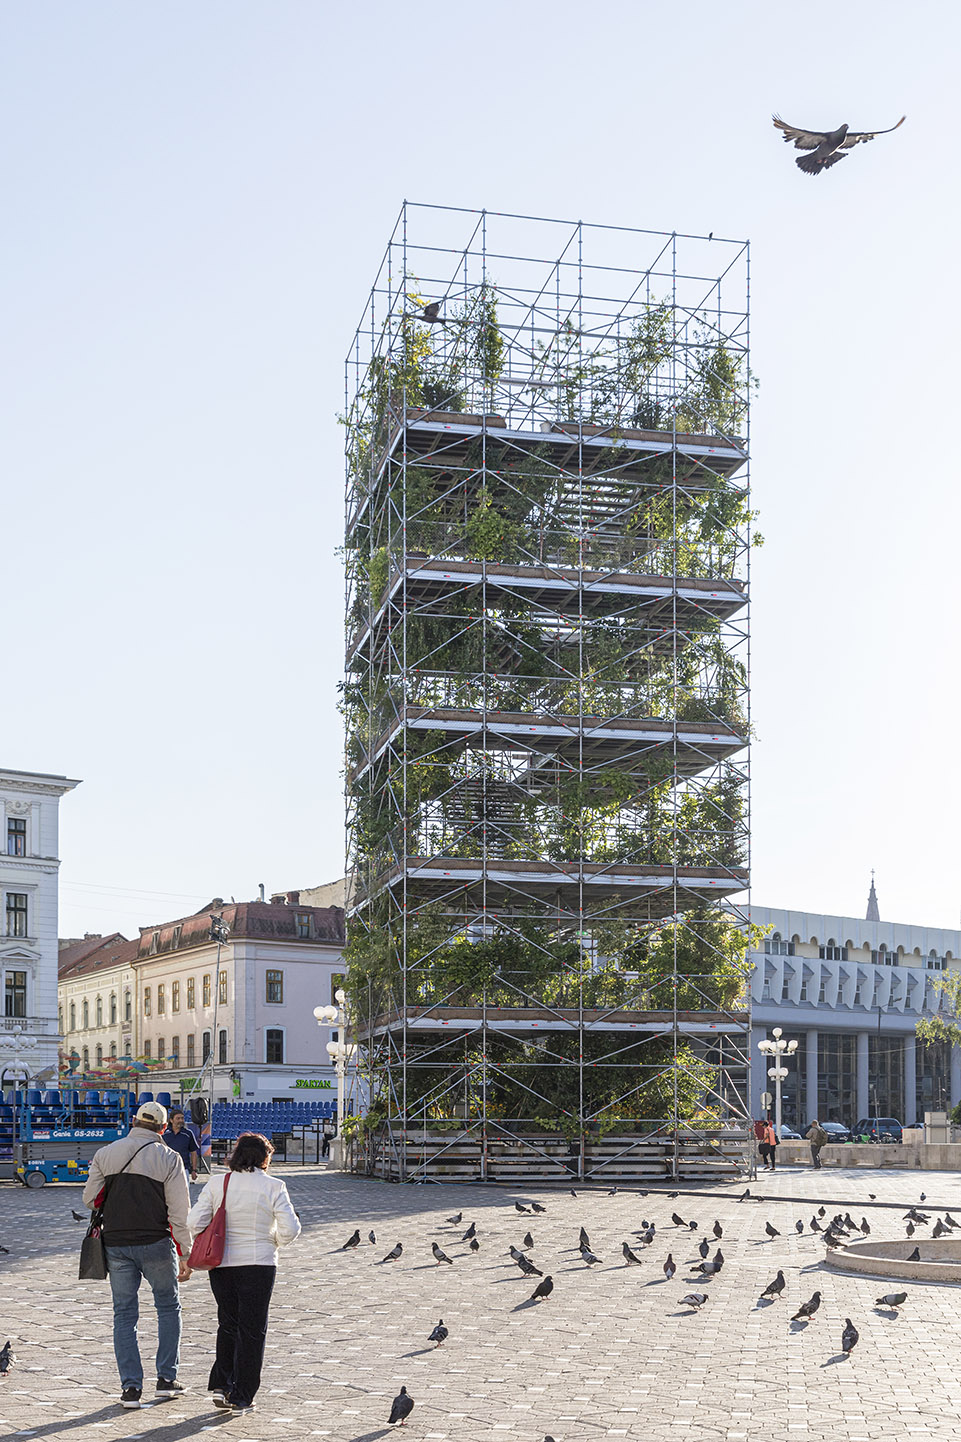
[260, 1217]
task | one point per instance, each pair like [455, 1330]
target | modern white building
[851, 990]
[29, 867]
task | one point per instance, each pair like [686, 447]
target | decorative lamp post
[340, 1054]
[778, 1049]
[220, 933]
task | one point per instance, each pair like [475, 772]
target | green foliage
[943, 1026]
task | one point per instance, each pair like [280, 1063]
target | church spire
[873, 913]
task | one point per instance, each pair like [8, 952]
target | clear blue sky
[196, 197]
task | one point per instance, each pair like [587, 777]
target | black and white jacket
[149, 1200]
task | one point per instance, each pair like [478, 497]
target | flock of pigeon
[834, 1233]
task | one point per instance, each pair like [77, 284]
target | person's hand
[193, 1176]
[184, 1273]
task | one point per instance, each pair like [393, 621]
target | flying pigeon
[353, 1241]
[771, 1231]
[807, 1309]
[474, 1244]
[394, 1253]
[826, 147]
[892, 1299]
[536, 1207]
[524, 1211]
[775, 1288]
[371, 1238]
[543, 1290]
[430, 313]
[718, 1230]
[471, 1232]
[704, 1248]
[455, 1219]
[79, 1216]
[849, 1337]
[528, 1240]
[694, 1300]
[631, 1258]
[439, 1334]
[669, 1267]
[401, 1408]
[440, 1256]
[915, 1255]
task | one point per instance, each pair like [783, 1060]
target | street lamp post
[340, 1053]
[778, 1049]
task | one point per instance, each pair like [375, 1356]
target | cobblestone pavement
[611, 1353]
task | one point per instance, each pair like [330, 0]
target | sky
[197, 197]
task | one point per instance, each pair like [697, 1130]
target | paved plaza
[610, 1354]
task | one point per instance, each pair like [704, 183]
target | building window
[175, 1051]
[275, 986]
[804, 990]
[274, 1046]
[85, 1059]
[146, 1051]
[191, 993]
[857, 994]
[774, 946]
[126, 1006]
[98, 1005]
[785, 989]
[223, 988]
[206, 989]
[60, 1019]
[175, 996]
[16, 836]
[177, 934]
[15, 994]
[161, 999]
[99, 1057]
[16, 913]
[205, 1047]
[155, 942]
[191, 1045]
[161, 1048]
[73, 1016]
[113, 1008]
[303, 925]
[86, 1013]
[113, 1050]
[146, 1001]
[833, 952]
[222, 1048]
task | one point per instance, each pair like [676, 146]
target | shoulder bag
[207, 1251]
[93, 1254]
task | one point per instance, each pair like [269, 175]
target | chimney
[293, 898]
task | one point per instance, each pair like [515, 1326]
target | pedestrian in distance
[768, 1146]
[180, 1139]
[817, 1136]
[142, 1187]
[259, 1219]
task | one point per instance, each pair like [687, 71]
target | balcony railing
[29, 1024]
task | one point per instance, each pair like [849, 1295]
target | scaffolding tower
[548, 536]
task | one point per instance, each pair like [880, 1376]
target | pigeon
[631, 1258]
[815, 1225]
[536, 1207]
[573, 1193]
[949, 1221]
[474, 1244]
[588, 1256]
[528, 1268]
[528, 1240]
[672, 1195]
[456, 1219]
[849, 1337]
[583, 1240]
[719, 1257]
[692, 1226]
[850, 1223]
[543, 1290]
[807, 1309]
[915, 1255]
[775, 1288]
[79, 1216]
[694, 1300]
[938, 1230]
[371, 1238]
[771, 1231]
[678, 1221]
[909, 1229]
[866, 1230]
[709, 1269]
[821, 1212]
[892, 1299]
[440, 1256]
[524, 1211]
[648, 1237]
[430, 313]
[833, 1241]
[744, 1195]
[353, 1241]
[703, 1249]
[6, 1359]
[439, 1334]
[871, 1196]
[799, 1227]
[394, 1253]
[669, 1267]
[718, 1230]
[826, 147]
[401, 1408]
[471, 1232]
[923, 1197]
[612, 1192]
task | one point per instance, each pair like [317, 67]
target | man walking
[145, 1199]
[180, 1139]
[817, 1136]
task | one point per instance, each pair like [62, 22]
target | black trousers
[243, 1301]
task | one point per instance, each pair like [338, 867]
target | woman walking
[259, 1219]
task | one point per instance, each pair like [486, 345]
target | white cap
[153, 1112]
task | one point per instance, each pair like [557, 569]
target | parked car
[836, 1132]
[788, 1134]
[879, 1129]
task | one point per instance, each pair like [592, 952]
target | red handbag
[207, 1251]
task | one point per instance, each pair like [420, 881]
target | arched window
[86, 1012]
[99, 1055]
[126, 1005]
[99, 1010]
[85, 1059]
[73, 1016]
[113, 1008]
[60, 1019]
[832, 952]
[205, 1046]
[113, 1050]
[775, 945]
[222, 1048]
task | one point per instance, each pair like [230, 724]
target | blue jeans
[157, 1262]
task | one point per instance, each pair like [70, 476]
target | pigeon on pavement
[528, 1240]
[678, 1221]
[471, 1232]
[631, 1258]
[694, 1300]
[543, 1290]
[6, 1358]
[456, 1219]
[371, 1238]
[849, 1337]
[588, 1256]
[865, 1229]
[821, 1212]
[915, 1255]
[669, 1267]
[775, 1288]
[524, 1211]
[771, 1231]
[394, 1253]
[474, 1244]
[353, 1241]
[536, 1207]
[807, 1309]
[815, 1225]
[892, 1299]
[703, 1248]
[799, 1227]
[80, 1216]
[583, 1240]
[439, 1334]
[910, 1229]
[718, 1230]
[709, 1269]
[440, 1256]
[527, 1267]
[401, 1408]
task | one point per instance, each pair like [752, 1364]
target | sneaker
[130, 1396]
[169, 1389]
[239, 1407]
[219, 1398]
